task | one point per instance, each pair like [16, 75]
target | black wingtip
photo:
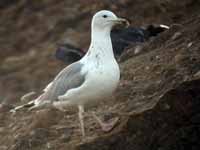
[29, 105]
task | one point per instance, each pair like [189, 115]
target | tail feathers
[33, 105]
[28, 105]
[41, 105]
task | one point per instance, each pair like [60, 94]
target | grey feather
[69, 78]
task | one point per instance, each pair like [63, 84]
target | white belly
[100, 82]
[104, 82]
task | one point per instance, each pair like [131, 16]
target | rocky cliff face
[157, 99]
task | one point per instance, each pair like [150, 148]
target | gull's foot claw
[106, 127]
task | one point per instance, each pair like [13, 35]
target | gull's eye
[105, 16]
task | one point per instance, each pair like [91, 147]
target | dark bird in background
[69, 53]
[121, 38]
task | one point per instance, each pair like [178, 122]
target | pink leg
[106, 127]
[80, 114]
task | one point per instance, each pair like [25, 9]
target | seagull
[89, 80]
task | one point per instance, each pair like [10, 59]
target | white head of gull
[90, 79]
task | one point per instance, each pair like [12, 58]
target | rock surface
[158, 96]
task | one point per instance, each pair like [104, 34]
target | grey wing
[69, 78]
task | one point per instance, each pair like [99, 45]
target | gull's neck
[101, 44]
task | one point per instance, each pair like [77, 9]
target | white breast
[101, 80]
[104, 77]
